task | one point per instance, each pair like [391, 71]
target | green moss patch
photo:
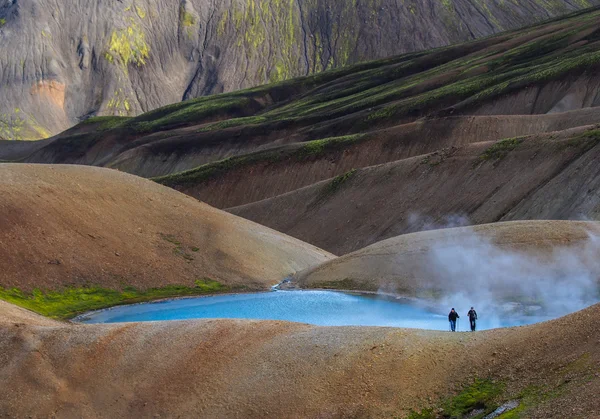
[212, 170]
[306, 151]
[485, 396]
[531, 397]
[179, 249]
[319, 147]
[187, 19]
[479, 395]
[190, 112]
[129, 45]
[336, 184]
[588, 140]
[171, 239]
[474, 401]
[70, 302]
[501, 149]
[106, 122]
[338, 181]
[234, 122]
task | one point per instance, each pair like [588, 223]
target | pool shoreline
[159, 300]
[318, 307]
[325, 308]
[396, 297]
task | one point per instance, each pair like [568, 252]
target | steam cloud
[489, 277]
[418, 222]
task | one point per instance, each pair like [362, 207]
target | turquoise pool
[325, 308]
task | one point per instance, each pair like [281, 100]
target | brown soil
[546, 176]
[74, 225]
[257, 369]
[265, 179]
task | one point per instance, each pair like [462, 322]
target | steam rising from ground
[418, 222]
[498, 281]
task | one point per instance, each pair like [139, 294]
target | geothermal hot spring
[325, 308]
[505, 287]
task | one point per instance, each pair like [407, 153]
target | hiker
[472, 318]
[452, 316]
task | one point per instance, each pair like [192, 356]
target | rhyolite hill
[85, 237]
[352, 156]
[98, 237]
[62, 62]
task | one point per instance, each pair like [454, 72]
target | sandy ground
[255, 369]
[79, 225]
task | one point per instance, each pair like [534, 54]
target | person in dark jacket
[452, 316]
[472, 318]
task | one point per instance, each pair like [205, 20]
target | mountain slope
[62, 63]
[546, 176]
[429, 115]
[543, 69]
[72, 226]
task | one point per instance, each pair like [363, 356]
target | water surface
[324, 308]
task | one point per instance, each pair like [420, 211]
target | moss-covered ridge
[411, 85]
[294, 152]
[361, 98]
[358, 99]
[69, 302]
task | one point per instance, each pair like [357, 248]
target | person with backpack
[472, 318]
[452, 316]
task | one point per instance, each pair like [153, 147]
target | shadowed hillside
[545, 176]
[63, 62]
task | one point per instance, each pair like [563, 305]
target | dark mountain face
[63, 61]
